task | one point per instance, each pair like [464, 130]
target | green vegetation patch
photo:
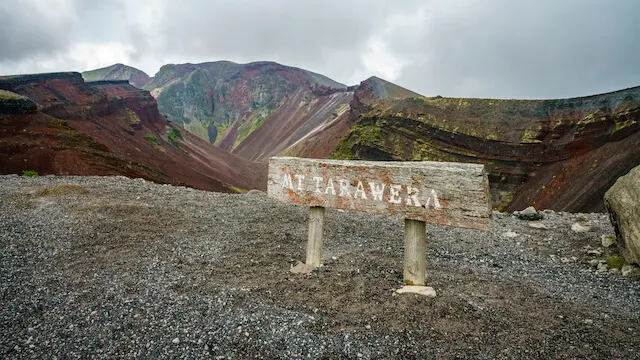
[152, 138]
[623, 123]
[529, 136]
[174, 136]
[132, 117]
[250, 126]
[29, 173]
[8, 95]
[222, 131]
[615, 262]
[61, 190]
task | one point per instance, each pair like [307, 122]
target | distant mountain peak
[136, 77]
[384, 89]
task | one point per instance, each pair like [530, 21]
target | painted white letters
[330, 187]
[376, 191]
[286, 181]
[360, 190]
[436, 202]
[317, 179]
[412, 194]
[394, 193]
[299, 178]
[344, 187]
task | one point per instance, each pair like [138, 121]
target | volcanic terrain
[58, 124]
[553, 154]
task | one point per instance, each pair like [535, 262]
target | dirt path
[112, 267]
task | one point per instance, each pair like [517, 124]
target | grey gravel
[124, 268]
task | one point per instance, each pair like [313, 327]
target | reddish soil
[554, 154]
[103, 128]
[295, 119]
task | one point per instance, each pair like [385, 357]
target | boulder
[581, 228]
[622, 201]
[530, 214]
[608, 240]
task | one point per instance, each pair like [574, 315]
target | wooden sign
[453, 194]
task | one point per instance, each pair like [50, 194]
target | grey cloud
[472, 48]
[322, 35]
[528, 49]
[26, 30]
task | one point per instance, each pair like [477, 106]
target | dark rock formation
[622, 201]
[108, 128]
[551, 154]
[135, 77]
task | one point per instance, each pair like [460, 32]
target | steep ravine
[555, 154]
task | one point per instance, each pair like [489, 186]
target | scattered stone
[581, 228]
[594, 262]
[537, 225]
[594, 252]
[588, 321]
[176, 341]
[420, 290]
[608, 240]
[622, 201]
[302, 268]
[529, 214]
[615, 262]
[510, 234]
[614, 271]
[630, 271]
[603, 267]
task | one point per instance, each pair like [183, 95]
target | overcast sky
[470, 48]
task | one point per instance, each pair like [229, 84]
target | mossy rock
[615, 262]
[12, 103]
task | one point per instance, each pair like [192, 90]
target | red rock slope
[58, 124]
[555, 154]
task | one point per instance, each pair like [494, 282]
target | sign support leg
[315, 245]
[415, 252]
[415, 259]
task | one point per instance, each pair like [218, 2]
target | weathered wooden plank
[415, 252]
[453, 194]
[315, 245]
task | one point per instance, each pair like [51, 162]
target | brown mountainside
[136, 77]
[225, 103]
[556, 154]
[58, 124]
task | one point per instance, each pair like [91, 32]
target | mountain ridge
[533, 148]
[136, 77]
[68, 126]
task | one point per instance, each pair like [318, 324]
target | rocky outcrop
[323, 140]
[109, 128]
[12, 103]
[551, 154]
[622, 201]
[135, 77]
[224, 102]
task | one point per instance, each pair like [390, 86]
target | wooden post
[315, 244]
[415, 252]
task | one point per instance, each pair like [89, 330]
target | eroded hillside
[137, 78]
[557, 154]
[58, 124]
[224, 103]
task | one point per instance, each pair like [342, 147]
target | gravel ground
[110, 267]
